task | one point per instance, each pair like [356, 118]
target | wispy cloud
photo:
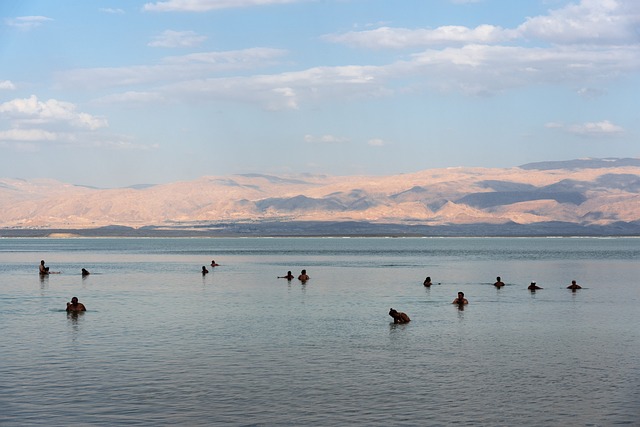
[377, 142]
[171, 69]
[7, 85]
[326, 139]
[207, 5]
[603, 128]
[27, 22]
[403, 38]
[171, 39]
[111, 11]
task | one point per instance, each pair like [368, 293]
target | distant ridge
[583, 164]
[574, 197]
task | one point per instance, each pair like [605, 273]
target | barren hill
[582, 192]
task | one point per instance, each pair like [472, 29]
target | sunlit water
[162, 345]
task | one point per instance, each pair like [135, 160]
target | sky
[117, 93]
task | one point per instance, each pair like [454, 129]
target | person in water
[303, 277]
[498, 283]
[214, 264]
[398, 316]
[85, 272]
[461, 300]
[289, 276]
[74, 306]
[533, 287]
[204, 270]
[427, 282]
[574, 286]
[42, 268]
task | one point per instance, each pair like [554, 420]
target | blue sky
[116, 93]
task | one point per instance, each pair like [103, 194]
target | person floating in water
[214, 264]
[74, 306]
[303, 277]
[43, 269]
[85, 272]
[204, 270]
[289, 276]
[574, 286]
[498, 283]
[398, 316]
[427, 282]
[461, 300]
[533, 287]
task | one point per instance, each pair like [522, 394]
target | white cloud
[51, 112]
[171, 69]
[27, 22]
[325, 139]
[26, 135]
[7, 85]
[111, 10]
[207, 5]
[590, 93]
[588, 22]
[603, 128]
[377, 142]
[286, 90]
[131, 98]
[401, 38]
[171, 39]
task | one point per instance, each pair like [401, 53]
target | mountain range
[584, 196]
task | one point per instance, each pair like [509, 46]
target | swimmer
[398, 316]
[74, 306]
[289, 276]
[498, 283]
[533, 287]
[85, 272]
[574, 286]
[427, 282]
[303, 277]
[214, 264]
[461, 300]
[204, 270]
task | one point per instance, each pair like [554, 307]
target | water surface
[161, 344]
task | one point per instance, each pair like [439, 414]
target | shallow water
[162, 345]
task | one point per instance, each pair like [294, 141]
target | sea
[163, 345]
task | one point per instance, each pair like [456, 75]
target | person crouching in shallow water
[42, 269]
[499, 283]
[398, 316]
[303, 277]
[289, 276]
[85, 272]
[533, 287]
[427, 282]
[461, 300]
[74, 306]
[574, 286]
[204, 270]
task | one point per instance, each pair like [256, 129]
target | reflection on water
[163, 345]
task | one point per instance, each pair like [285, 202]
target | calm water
[162, 345]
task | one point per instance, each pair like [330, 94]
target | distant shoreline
[338, 229]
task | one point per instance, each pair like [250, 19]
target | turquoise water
[162, 345]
